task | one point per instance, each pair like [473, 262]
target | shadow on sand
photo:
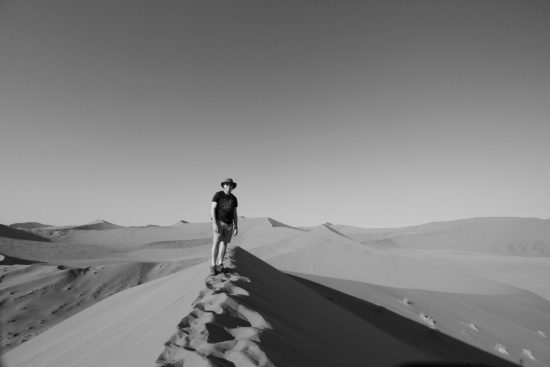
[10, 260]
[451, 352]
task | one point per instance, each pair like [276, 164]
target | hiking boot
[213, 270]
[219, 268]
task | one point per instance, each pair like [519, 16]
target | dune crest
[275, 223]
[500, 235]
[97, 225]
[29, 225]
[19, 234]
[220, 330]
[255, 315]
[180, 223]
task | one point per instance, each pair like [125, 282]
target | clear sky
[368, 113]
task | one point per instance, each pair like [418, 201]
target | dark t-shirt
[226, 206]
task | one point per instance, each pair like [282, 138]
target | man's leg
[225, 236]
[215, 248]
[221, 253]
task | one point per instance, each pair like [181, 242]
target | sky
[366, 113]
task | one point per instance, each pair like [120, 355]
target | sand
[471, 291]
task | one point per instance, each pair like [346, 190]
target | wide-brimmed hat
[229, 181]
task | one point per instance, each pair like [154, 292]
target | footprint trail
[220, 330]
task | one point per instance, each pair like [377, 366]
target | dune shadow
[18, 234]
[177, 244]
[449, 351]
[332, 229]
[10, 260]
[275, 223]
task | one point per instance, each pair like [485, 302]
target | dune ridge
[255, 315]
[97, 225]
[499, 235]
[19, 234]
[29, 225]
[180, 223]
[34, 297]
[220, 330]
[514, 321]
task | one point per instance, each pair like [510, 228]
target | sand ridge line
[220, 330]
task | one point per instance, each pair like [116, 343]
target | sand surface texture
[99, 294]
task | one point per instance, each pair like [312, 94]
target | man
[225, 223]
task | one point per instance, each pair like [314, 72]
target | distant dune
[98, 225]
[180, 223]
[514, 236]
[9, 232]
[29, 225]
[276, 223]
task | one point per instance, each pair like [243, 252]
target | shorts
[225, 232]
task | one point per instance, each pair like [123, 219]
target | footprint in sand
[428, 320]
[529, 354]
[244, 332]
[220, 331]
[542, 334]
[473, 327]
[230, 289]
[215, 302]
[407, 302]
[501, 349]
[221, 281]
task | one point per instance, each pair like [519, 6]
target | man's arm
[214, 217]
[235, 222]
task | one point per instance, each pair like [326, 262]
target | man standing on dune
[225, 222]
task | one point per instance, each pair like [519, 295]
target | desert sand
[471, 291]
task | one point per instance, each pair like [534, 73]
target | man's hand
[216, 227]
[235, 231]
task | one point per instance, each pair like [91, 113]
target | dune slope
[29, 225]
[14, 233]
[509, 236]
[125, 329]
[35, 297]
[512, 327]
[255, 315]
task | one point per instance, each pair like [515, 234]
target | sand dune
[29, 225]
[456, 293]
[79, 247]
[180, 223]
[118, 294]
[126, 329]
[323, 251]
[257, 316]
[97, 225]
[484, 321]
[69, 275]
[510, 236]
[13, 233]
[219, 329]
[35, 296]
